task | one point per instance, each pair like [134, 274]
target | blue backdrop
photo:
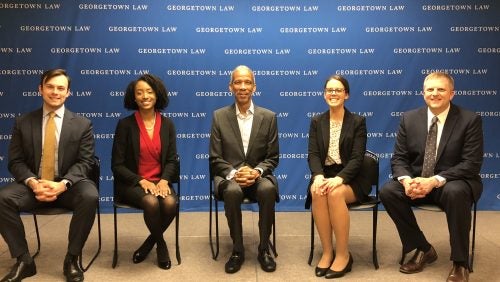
[384, 48]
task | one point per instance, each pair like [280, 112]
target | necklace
[152, 126]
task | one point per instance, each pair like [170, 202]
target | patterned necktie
[430, 150]
[49, 149]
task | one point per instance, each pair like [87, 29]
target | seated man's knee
[266, 190]
[232, 192]
[389, 191]
[457, 192]
[89, 194]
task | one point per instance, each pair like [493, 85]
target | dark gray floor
[292, 242]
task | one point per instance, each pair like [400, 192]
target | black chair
[370, 162]
[215, 201]
[95, 176]
[436, 208]
[118, 204]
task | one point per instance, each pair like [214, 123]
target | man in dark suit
[243, 154]
[67, 185]
[453, 181]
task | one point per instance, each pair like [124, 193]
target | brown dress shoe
[458, 273]
[419, 261]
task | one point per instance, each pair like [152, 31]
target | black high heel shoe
[336, 274]
[162, 256]
[320, 271]
[143, 251]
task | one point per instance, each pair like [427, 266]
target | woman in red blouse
[144, 162]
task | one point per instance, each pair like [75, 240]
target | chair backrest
[177, 174]
[95, 172]
[371, 164]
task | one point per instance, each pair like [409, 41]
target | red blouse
[150, 149]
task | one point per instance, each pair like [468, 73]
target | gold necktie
[49, 149]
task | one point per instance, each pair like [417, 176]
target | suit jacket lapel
[449, 124]
[422, 129]
[232, 119]
[164, 137]
[347, 124]
[64, 136]
[256, 123]
[325, 132]
[135, 136]
[36, 125]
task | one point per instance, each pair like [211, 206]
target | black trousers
[265, 193]
[455, 198]
[82, 198]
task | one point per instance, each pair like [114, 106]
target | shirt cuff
[231, 174]
[260, 170]
[442, 180]
[67, 183]
[401, 178]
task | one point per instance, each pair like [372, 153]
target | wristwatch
[67, 183]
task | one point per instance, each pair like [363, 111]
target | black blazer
[352, 146]
[75, 153]
[460, 150]
[226, 146]
[125, 154]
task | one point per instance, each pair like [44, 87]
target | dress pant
[82, 198]
[264, 192]
[455, 198]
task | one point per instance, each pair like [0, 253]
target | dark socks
[425, 248]
[26, 258]
[461, 263]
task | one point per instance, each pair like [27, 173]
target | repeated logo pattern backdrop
[384, 48]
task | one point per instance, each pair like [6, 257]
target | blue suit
[459, 159]
[75, 158]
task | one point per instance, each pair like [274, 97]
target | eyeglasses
[240, 82]
[334, 90]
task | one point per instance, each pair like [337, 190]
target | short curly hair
[156, 84]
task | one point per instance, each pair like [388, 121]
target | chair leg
[374, 236]
[37, 236]
[99, 243]
[177, 251]
[273, 243]
[311, 252]
[210, 228]
[216, 228]
[471, 263]
[115, 252]
[215, 250]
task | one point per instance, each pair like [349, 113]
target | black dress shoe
[144, 250]
[234, 263]
[419, 261]
[266, 261]
[19, 271]
[163, 257]
[72, 269]
[336, 274]
[320, 271]
[458, 273]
